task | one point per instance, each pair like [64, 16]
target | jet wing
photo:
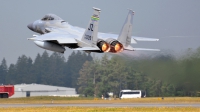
[65, 39]
[134, 39]
[130, 48]
[73, 30]
[144, 39]
[145, 49]
[60, 38]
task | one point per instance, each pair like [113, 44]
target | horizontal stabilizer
[145, 39]
[88, 49]
[130, 48]
[145, 49]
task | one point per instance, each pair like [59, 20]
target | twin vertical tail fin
[89, 39]
[90, 34]
[126, 33]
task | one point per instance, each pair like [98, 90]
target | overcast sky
[175, 22]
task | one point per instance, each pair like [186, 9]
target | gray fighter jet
[56, 34]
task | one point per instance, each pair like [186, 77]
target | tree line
[159, 75]
[47, 69]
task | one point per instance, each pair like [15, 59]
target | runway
[106, 105]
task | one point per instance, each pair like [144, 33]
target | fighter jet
[56, 34]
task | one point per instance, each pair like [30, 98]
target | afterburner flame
[118, 47]
[105, 47]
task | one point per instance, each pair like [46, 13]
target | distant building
[27, 90]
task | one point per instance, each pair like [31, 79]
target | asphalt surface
[106, 105]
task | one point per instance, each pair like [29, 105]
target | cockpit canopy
[51, 17]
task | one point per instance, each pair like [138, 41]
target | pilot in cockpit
[50, 17]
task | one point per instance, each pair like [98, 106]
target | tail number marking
[88, 37]
[91, 27]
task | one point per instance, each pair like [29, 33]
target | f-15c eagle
[56, 34]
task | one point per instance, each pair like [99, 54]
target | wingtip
[30, 39]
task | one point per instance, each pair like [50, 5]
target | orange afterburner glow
[105, 47]
[118, 47]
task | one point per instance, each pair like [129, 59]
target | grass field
[66, 100]
[93, 109]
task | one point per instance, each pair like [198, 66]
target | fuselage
[52, 23]
[42, 26]
[54, 30]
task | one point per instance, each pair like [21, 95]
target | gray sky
[175, 22]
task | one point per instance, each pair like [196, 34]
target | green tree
[24, 70]
[11, 77]
[3, 71]
[74, 64]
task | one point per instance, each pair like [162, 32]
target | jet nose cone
[30, 26]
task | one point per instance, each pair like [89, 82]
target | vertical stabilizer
[126, 31]
[90, 35]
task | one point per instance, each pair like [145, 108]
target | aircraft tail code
[90, 35]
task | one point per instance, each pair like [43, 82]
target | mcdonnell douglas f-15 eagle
[56, 34]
